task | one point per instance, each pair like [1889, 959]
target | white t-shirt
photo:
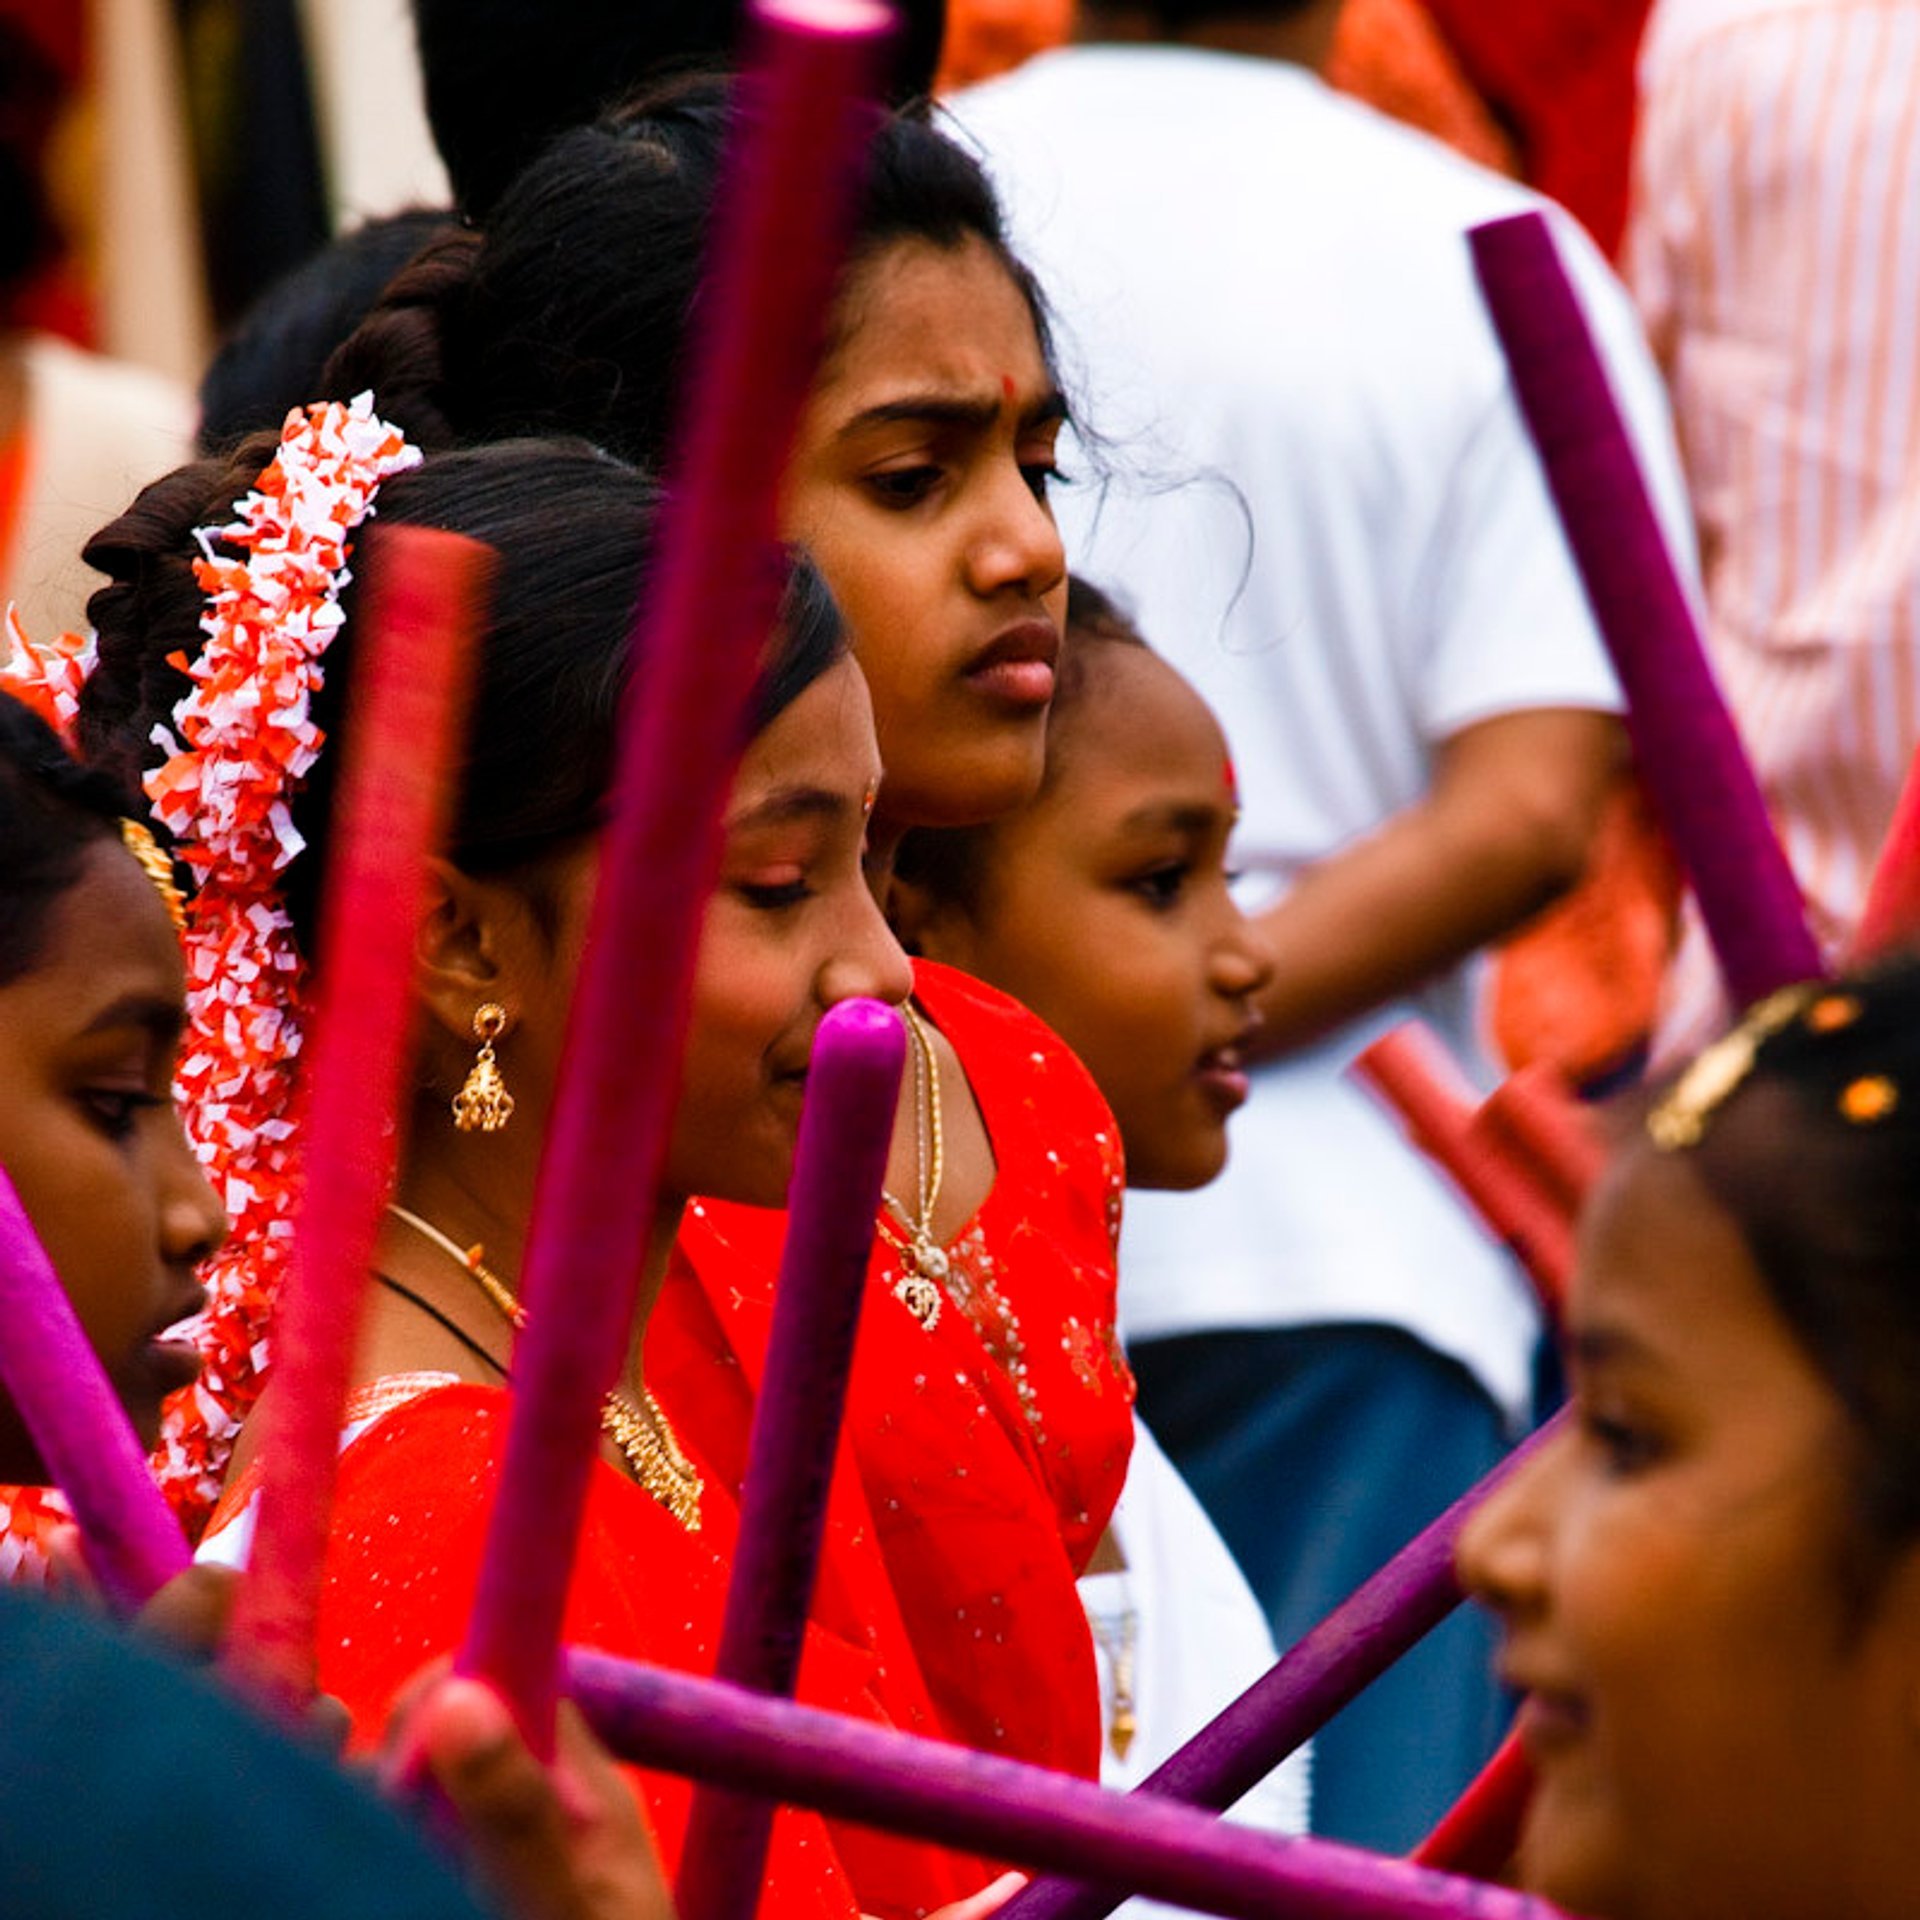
[1325, 510]
[1185, 1625]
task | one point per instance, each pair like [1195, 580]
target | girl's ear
[930, 926]
[471, 947]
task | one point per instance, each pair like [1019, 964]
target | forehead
[823, 741]
[1132, 721]
[932, 319]
[108, 936]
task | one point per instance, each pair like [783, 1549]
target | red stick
[1532, 1115]
[778, 237]
[1892, 914]
[1479, 1833]
[1410, 1071]
[412, 672]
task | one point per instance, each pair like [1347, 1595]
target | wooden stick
[1479, 1833]
[1689, 754]
[958, 1798]
[778, 236]
[846, 1129]
[425, 605]
[85, 1440]
[1891, 917]
[1412, 1073]
[1312, 1681]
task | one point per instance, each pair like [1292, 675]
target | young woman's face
[1715, 1729]
[919, 485]
[1104, 907]
[90, 1138]
[793, 929]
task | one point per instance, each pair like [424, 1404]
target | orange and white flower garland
[243, 741]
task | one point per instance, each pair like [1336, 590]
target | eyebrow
[163, 1018]
[1596, 1346]
[792, 803]
[1182, 816]
[941, 409]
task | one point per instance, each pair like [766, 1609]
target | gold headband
[1680, 1120]
[138, 839]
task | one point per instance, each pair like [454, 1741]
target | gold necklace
[641, 1431]
[921, 1285]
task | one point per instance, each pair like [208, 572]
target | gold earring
[483, 1104]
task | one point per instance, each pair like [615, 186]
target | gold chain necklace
[641, 1431]
[921, 1285]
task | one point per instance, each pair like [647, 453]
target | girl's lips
[1223, 1077]
[169, 1365]
[1017, 667]
[1550, 1723]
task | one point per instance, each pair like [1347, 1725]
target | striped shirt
[1775, 251]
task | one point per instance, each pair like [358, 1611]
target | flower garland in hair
[242, 742]
[48, 679]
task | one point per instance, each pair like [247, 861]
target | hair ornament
[1718, 1072]
[1869, 1099]
[48, 679]
[242, 742]
[137, 837]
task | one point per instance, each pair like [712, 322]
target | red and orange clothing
[981, 1455]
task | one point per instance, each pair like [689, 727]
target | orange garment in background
[1390, 54]
[1559, 74]
[982, 1456]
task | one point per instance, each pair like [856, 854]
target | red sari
[409, 1526]
[981, 1458]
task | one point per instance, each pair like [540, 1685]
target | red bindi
[1006, 386]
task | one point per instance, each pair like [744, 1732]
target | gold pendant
[918, 1289]
[1121, 1729]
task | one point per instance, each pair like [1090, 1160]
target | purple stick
[778, 236]
[1312, 1681]
[846, 1128]
[1684, 739]
[66, 1402]
[958, 1798]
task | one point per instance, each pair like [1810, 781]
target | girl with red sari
[791, 930]
[989, 1421]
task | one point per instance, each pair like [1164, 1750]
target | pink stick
[1683, 737]
[778, 236]
[67, 1404]
[1410, 1071]
[846, 1129]
[1892, 914]
[999, 1807]
[425, 595]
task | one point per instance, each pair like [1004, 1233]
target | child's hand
[567, 1843]
[977, 1906]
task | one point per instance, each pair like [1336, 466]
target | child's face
[1105, 908]
[1714, 1731]
[90, 1138]
[792, 930]
[919, 486]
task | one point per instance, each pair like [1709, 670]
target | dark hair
[273, 358]
[951, 864]
[1829, 1207]
[504, 77]
[574, 311]
[52, 809]
[573, 530]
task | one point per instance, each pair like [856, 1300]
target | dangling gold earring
[483, 1104]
